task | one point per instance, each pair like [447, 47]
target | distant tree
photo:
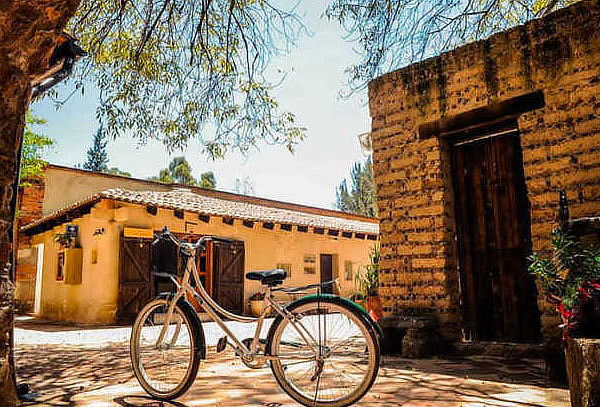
[207, 180]
[97, 156]
[116, 171]
[244, 186]
[360, 196]
[34, 146]
[179, 171]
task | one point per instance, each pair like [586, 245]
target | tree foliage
[179, 171]
[392, 33]
[97, 156]
[358, 194]
[117, 171]
[168, 68]
[34, 146]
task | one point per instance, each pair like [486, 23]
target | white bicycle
[323, 349]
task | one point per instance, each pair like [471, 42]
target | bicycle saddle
[268, 277]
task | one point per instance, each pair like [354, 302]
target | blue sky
[315, 77]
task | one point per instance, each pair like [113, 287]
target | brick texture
[558, 55]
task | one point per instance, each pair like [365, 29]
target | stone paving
[65, 371]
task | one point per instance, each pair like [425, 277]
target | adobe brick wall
[559, 55]
[31, 205]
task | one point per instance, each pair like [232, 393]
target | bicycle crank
[254, 361]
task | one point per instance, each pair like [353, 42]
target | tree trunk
[28, 33]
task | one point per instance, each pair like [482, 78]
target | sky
[314, 79]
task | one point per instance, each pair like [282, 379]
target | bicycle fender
[200, 345]
[363, 312]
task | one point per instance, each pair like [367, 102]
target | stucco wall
[64, 186]
[559, 56]
[94, 300]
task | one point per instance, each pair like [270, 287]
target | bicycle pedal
[221, 344]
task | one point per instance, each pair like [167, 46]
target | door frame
[450, 141]
[330, 288]
[39, 277]
[216, 276]
[121, 316]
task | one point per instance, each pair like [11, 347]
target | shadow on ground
[76, 376]
[35, 324]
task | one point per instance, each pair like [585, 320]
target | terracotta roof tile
[187, 200]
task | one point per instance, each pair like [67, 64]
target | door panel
[493, 240]
[327, 272]
[135, 281]
[228, 275]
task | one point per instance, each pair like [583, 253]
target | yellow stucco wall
[94, 300]
[64, 186]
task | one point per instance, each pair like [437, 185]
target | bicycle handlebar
[167, 235]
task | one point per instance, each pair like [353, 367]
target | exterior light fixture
[366, 146]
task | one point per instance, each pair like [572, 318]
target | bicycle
[322, 349]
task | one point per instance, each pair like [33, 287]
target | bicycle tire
[371, 341]
[197, 344]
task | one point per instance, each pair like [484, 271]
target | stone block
[583, 370]
[412, 336]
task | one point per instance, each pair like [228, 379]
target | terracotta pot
[257, 307]
[374, 307]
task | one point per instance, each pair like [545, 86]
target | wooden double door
[221, 269]
[498, 295]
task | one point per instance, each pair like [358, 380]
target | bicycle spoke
[343, 365]
[164, 351]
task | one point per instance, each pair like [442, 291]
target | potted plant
[257, 303]
[65, 240]
[367, 282]
[570, 278]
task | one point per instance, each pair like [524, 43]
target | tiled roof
[184, 199]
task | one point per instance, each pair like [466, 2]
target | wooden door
[228, 275]
[498, 295]
[326, 265]
[135, 279]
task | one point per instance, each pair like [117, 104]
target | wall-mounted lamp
[366, 146]
[98, 233]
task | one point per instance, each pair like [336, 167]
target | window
[60, 267]
[310, 261]
[348, 270]
[287, 267]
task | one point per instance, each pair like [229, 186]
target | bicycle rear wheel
[337, 365]
[166, 368]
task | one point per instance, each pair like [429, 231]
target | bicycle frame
[214, 310]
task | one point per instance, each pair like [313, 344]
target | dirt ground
[75, 366]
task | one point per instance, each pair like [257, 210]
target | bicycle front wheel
[165, 367]
[328, 357]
